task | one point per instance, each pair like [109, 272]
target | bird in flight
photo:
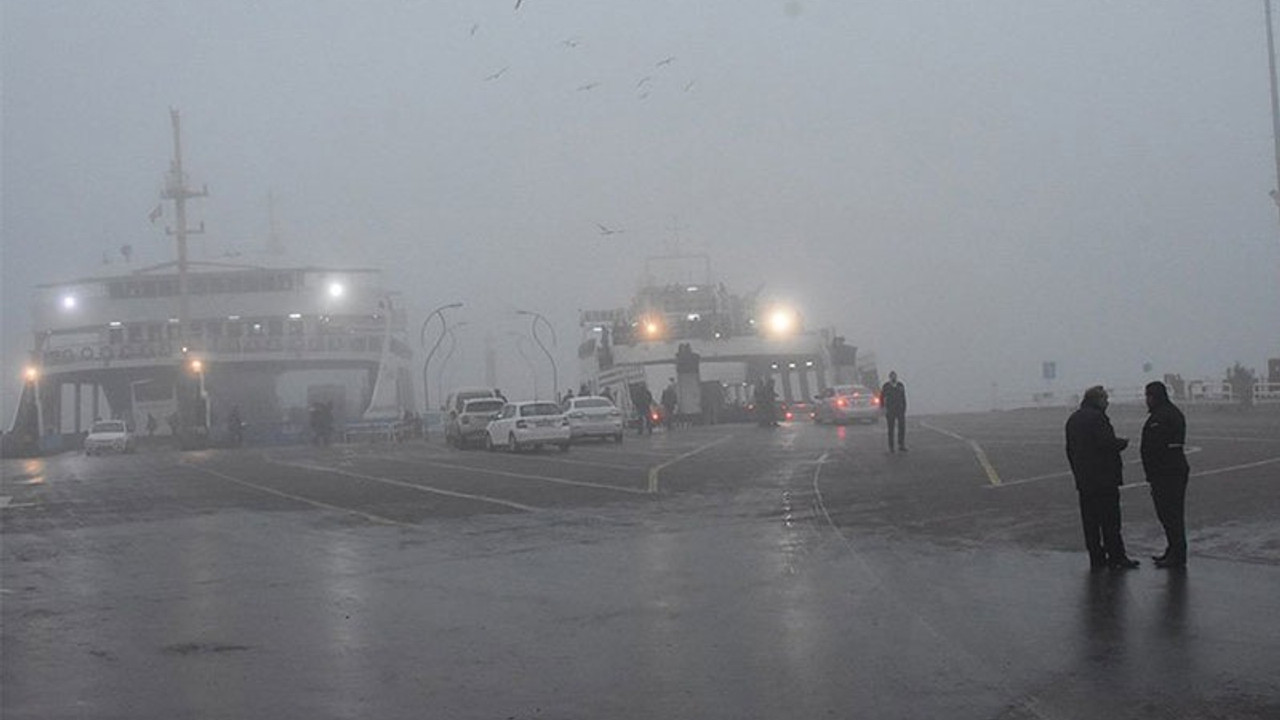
[474, 28]
[498, 74]
[643, 80]
[665, 61]
[605, 230]
[518, 4]
[689, 86]
[570, 42]
[588, 86]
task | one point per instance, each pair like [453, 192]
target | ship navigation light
[69, 302]
[337, 290]
[31, 373]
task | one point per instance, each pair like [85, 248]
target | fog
[965, 189]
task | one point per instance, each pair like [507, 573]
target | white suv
[593, 416]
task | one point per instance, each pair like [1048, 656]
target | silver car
[471, 424]
[109, 436]
[843, 404]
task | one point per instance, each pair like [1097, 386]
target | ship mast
[176, 190]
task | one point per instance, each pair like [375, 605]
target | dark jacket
[1093, 450]
[1163, 437]
[893, 398]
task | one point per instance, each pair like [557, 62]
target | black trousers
[898, 420]
[1169, 494]
[1100, 518]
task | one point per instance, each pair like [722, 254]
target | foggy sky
[964, 189]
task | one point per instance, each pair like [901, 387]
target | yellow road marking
[992, 476]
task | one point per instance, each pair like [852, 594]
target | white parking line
[504, 473]
[298, 498]
[419, 488]
[653, 471]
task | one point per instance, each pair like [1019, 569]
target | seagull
[518, 4]
[474, 28]
[689, 86]
[588, 86]
[498, 74]
[570, 42]
[665, 61]
[643, 80]
[604, 230]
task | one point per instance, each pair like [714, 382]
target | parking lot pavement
[725, 572]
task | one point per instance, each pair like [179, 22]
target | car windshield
[592, 403]
[535, 409]
[482, 406]
[107, 426]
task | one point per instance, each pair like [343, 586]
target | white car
[109, 436]
[593, 416]
[529, 424]
[468, 426]
[847, 403]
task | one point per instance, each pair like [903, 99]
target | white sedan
[593, 416]
[529, 424]
[109, 436]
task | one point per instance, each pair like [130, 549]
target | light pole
[1275, 100]
[444, 362]
[521, 339]
[422, 339]
[533, 330]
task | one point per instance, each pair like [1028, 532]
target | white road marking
[1190, 449]
[298, 498]
[653, 471]
[524, 476]
[419, 488]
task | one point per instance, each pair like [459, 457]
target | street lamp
[444, 362]
[533, 330]
[422, 339]
[521, 339]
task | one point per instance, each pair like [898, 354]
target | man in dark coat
[1165, 463]
[893, 401]
[641, 401]
[1093, 450]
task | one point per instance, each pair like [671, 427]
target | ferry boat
[177, 348]
[716, 345]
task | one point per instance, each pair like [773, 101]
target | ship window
[154, 332]
[115, 290]
[148, 288]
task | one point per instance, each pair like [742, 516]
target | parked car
[529, 424]
[109, 436]
[471, 424]
[453, 404]
[797, 410]
[593, 416]
[847, 403]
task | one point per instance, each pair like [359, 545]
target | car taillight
[842, 403]
[653, 416]
[789, 416]
[875, 401]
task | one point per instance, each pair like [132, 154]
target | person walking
[669, 402]
[1165, 464]
[1093, 451]
[893, 402]
[641, 401]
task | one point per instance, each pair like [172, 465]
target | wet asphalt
[719, 572]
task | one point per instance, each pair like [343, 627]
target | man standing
[1165, 464]
[669, 402]
[641, 401]
[1093, 451]
[893, 401]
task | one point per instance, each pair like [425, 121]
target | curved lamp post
[444, 362]
[422, 339]
[521, 339]
[533, 329]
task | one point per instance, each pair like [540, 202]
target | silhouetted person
[1165, 464]
[766, 400]
[893, 401]
[669, 402]
[235, 428]
[641, 401]
[1093, 451]
[151, 425]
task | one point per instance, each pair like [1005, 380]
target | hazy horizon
[964, 190]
